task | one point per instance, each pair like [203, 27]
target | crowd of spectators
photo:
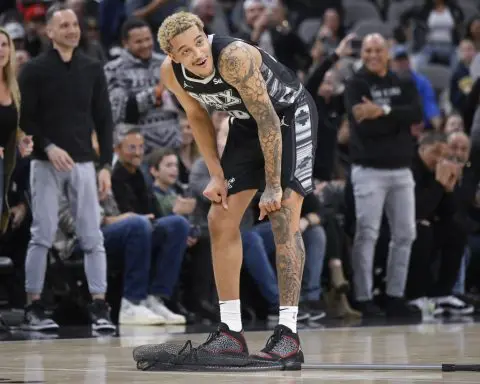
[154, 223]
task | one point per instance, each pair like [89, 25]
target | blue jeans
[315, 243]
[472, 250]
[139, 239]
[255, 258]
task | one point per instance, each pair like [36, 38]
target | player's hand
[60, 159]
[216, 191]
[270, 201]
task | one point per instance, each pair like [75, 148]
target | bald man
[459, 145]
[381, 109]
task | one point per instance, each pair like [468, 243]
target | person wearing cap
[431, 112]
[17, 34]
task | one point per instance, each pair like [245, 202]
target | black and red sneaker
[282, 351]
[224, 350]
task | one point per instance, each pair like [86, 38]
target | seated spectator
[269, 28]
[163, 166]
[331, 31]
[170, 233]
[431, 112]
[441, 17]
[188, 152]
[454, 123]
[332, 201]
[461, 82]
[438, 230]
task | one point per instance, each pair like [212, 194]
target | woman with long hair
[10, 134]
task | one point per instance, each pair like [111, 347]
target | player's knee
[219, 222]
[291, 199]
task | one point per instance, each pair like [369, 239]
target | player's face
[192, 49]
[63, 29]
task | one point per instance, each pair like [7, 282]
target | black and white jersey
[215, 94]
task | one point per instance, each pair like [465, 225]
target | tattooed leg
[290, 251]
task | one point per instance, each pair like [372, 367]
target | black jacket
[431, 198]
[62, 103]
[132, 193]
[385, 142]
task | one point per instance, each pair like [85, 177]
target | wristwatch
[386, 109]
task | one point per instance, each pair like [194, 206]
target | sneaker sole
[259, 366]
[139, 322]
[105, 327]
[37, 328]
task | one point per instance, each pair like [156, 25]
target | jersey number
[239, 114]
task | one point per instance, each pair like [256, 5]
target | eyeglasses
[132, 148]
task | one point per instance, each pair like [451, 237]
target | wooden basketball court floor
[108, 359]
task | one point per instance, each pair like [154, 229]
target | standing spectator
[381, 109]
[461, 81]
[64, 97]
[9, 112]
[136, 93]
[331, 30]
[212, 16]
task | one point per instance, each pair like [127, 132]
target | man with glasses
[170, 233]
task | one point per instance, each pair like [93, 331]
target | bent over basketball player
[270, 147]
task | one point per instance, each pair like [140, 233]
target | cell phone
[356, 45]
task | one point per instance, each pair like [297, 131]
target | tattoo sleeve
[238, 67]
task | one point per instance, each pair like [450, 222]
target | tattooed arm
[239, 66]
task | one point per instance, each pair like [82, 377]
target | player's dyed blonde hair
[175, 24]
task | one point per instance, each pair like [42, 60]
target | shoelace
[193, 352]
[272, 341]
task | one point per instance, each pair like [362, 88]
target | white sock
[288, 317]
[230, 314]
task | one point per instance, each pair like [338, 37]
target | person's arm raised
[198, 118]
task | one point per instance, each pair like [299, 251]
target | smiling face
[140, 42]
[63, 29]
[5, 50]
[192, 49]
[375, 54]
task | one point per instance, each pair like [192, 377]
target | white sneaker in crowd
[157, 306]
[131, 314]
[454, 306]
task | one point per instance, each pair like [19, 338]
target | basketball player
[270, 147]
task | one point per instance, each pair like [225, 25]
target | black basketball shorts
[243, 161]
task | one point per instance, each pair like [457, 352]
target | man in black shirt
[169, 233]
[381, 108]
[64, 97]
